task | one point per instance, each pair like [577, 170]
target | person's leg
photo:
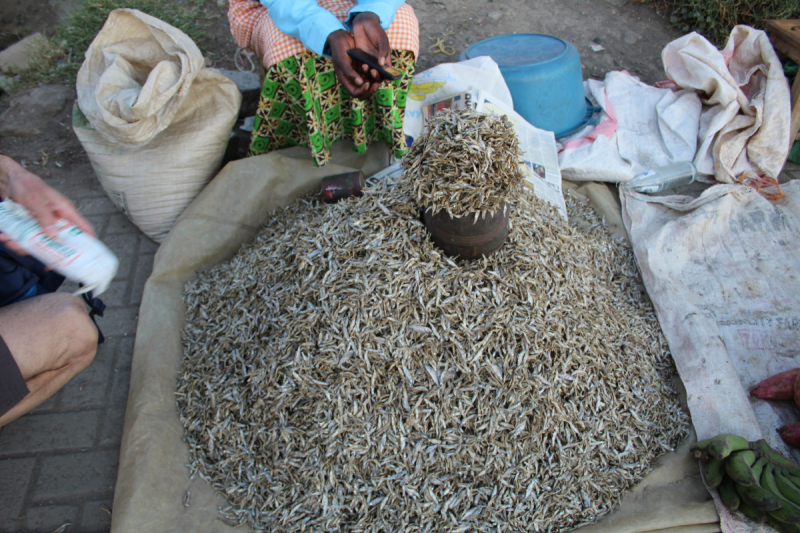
[52, 338]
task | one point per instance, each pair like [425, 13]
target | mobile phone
[371, 61]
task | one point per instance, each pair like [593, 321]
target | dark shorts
[12, 384]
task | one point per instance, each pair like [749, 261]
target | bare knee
[80, 331]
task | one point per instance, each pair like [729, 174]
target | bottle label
[17, 222]
[72, 253]
[23, 228]
[58, 254]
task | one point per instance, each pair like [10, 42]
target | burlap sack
[153, 480]
[154, 122]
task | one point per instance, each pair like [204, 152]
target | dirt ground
[632, 35]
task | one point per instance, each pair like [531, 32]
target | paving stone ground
[58, 464]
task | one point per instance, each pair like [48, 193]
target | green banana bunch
[752, 478]
[741, 467]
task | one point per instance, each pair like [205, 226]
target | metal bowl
[465, 237]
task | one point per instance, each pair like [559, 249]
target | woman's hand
[371, 37]
[340, 42]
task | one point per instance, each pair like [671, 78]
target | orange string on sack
[760, 183]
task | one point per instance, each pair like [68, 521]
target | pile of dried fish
[466, 163]
[342, 374]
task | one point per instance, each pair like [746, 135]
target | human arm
[304, 20]
[339, 42]
[369, 36]
[3, 179]
[322, 33]
[45, 203]
[384, 9]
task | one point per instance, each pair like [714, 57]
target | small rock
[631, 37]
[245, 81]
[15, 57]
[6, 83]
[32, 111]
[597, 40]
[495, 15]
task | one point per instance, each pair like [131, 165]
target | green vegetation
[58, 59]
[716, 18]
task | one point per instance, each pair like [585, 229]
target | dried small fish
[466, 163]
[341, 374]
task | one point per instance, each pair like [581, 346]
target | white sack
[591, 154]
[656, 126]
[154, 122]
[642, 127]
[746, 124]
[595, 160]
[720, 272]
[450, 79]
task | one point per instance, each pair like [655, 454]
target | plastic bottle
[73, 253]
[663, 178]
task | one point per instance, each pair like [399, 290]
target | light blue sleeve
[303, 20]
[385, 9]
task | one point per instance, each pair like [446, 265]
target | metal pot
[465, 237]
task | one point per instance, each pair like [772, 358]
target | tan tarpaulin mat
[153, 482]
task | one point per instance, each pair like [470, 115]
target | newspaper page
[539, 152]
[457, 103]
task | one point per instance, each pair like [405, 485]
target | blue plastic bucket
[544, 76]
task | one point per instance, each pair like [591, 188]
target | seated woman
[314, 94]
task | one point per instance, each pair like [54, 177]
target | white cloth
[642, 127]
[728, 111]
[747, 120]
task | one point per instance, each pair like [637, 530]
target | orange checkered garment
[252, 28]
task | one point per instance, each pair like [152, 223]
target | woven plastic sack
[746, 122]
[154, 122]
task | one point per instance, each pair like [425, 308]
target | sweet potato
[790, 433]
[796, 391]
[778, 387]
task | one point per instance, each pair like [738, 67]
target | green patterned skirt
[303, 103]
